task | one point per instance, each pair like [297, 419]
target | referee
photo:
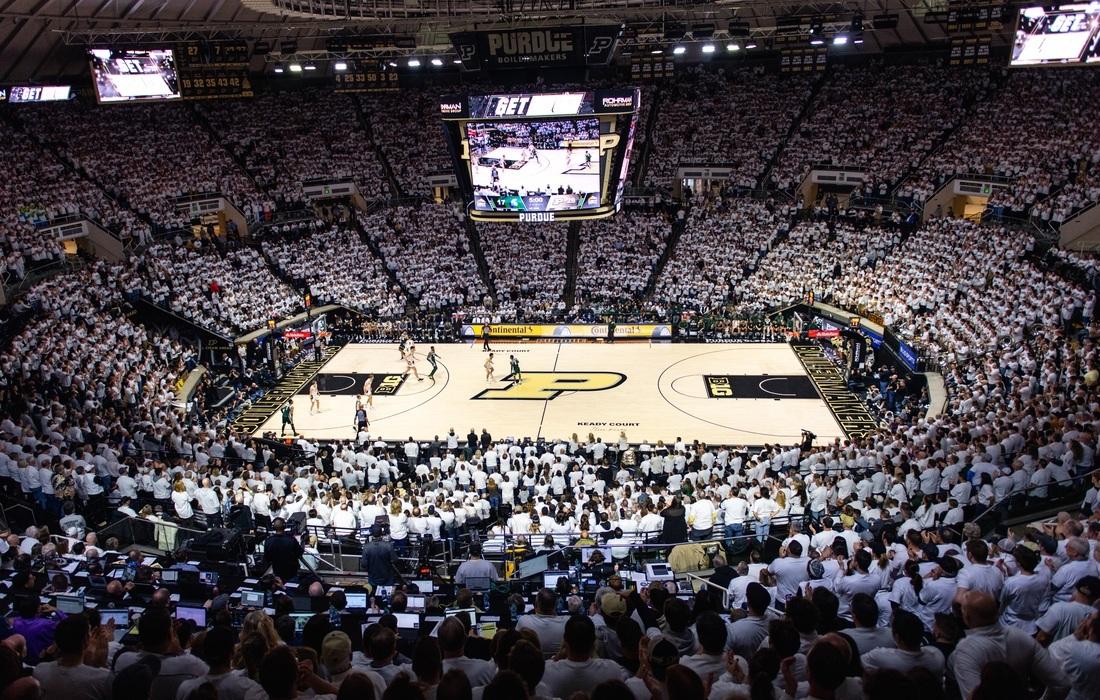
[485, 337]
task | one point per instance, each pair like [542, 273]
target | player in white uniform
[368, 389]
[410, 363]
[314, 398]
[489, 368]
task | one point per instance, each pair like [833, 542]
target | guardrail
[1003, 505]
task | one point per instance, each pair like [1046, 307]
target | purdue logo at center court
[546, 386]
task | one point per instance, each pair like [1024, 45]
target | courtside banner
[546, 46]
[640, 331]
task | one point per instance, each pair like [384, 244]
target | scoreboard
[358, 80]
[214, 69]
[541, 157]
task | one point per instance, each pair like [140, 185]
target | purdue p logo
[546, 386]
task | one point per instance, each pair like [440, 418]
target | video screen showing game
[125, 75]
[1057, 35]
[544, 165]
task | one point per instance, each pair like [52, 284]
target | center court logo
[547, 386]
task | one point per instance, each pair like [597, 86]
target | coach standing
[282, 551]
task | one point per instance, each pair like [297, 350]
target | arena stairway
[807, 107]
[374, 249]
[364, 123]
[200, 119]
[572, 248]
[482, 265]
[674, 235]
[647, 145]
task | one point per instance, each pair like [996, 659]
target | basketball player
[401, 344]
[410, 363]
[368, 389]
[494, 175]
[288, 419]
[433, 359]
[314, 398]
[533, 154]
[587, 159]
[513, 361]
[489, 368]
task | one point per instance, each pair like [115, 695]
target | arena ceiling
[40, 39]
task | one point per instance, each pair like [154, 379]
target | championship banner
[628, 331]
[545, 47]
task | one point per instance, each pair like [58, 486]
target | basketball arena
[578, 350]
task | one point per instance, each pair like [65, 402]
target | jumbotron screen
[541, 156]
[1067, 34]
[551, 165]
[125, 75]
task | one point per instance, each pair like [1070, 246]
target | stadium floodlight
[656, 51]
[708, 48]
[414, 63]
[816, 41]
[295, 67]
[733, 47]
[750, 45]
[392, 64]
[340, 66]
[679, 50]
[311, 66]
[279, 68]
[457, 61]
[437, 61]
[840, 40]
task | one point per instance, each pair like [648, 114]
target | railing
[163, 534]
[1002, 506]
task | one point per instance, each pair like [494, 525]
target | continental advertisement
[625, 331]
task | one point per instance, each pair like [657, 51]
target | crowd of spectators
[814, 258]
[735, 117]
[883, 119]
[336, 266]
[427, 247]
[85, 369]
[412, 153]
[721, 244]
[288, 138]
[37, 189]
[1052, 135]
[230, 292]
[527, 267]
[618, 256]
[145, 156]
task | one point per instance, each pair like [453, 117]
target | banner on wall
[568, 330]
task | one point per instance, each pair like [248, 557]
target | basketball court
[739, 394]
[564, 168]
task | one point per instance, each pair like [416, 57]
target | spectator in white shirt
[987, 641]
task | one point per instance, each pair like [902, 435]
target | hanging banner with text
[545, 47]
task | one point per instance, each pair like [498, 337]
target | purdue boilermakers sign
[252, 418]
[548, 46]
[849, 411]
